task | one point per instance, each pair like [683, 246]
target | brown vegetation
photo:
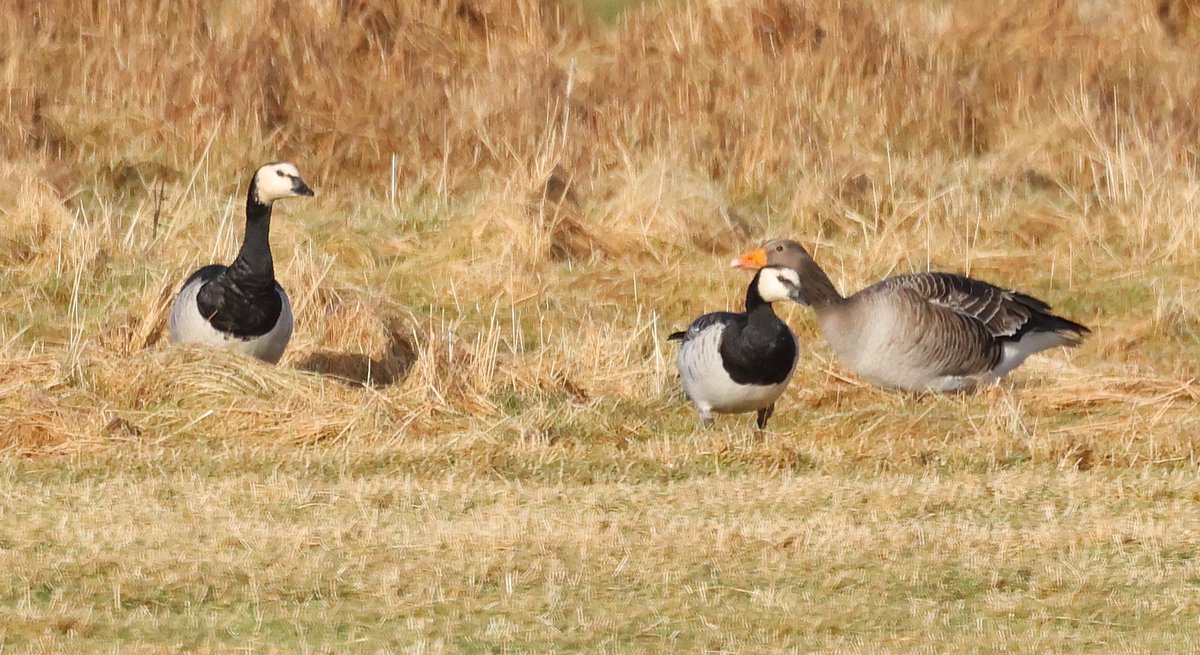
[516, 202]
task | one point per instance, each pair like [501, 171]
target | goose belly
[895, 351]
[884, 353]
[186, 325]
[709, 385]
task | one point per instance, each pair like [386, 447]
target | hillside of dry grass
[476, 440]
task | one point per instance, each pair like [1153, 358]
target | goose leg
[706, 419]
[764, 415]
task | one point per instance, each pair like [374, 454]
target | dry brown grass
[476, 440]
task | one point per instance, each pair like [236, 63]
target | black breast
[759, 349]
[238, 307]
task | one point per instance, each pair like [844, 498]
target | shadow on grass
[392, 366]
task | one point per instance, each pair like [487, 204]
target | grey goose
[937, 332]
[241, 306]
[741, 362]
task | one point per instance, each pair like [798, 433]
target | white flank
[1015, 352]
[188, 326]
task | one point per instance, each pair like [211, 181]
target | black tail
[1068, 325]
[1071, 331]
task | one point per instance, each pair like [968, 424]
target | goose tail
[1070, 332]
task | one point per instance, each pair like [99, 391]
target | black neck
[761, 350]
[756, 307]
[761, 313]
[754, 299]
[253, 265]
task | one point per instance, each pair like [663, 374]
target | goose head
[777, 283]
[816, 288]
[776, 252]
[278, 180]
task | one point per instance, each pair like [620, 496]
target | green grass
[608, 10]
[330, 550]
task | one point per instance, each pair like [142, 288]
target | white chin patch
[770, 286]
[274, 181]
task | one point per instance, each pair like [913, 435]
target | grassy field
[477, 442]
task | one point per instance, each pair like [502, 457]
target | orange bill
[751, 261]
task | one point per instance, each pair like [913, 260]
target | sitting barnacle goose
[936, 332]
[241, 306]
[733, 363]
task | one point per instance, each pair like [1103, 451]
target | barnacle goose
[937, 332]
[241, 306]
[741, 362]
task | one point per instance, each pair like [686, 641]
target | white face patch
[775, 284]
[275, 181]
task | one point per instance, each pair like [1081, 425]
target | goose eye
[281, 173]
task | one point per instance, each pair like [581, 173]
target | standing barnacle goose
[733, 363]
[936, 332]
[241, 306]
